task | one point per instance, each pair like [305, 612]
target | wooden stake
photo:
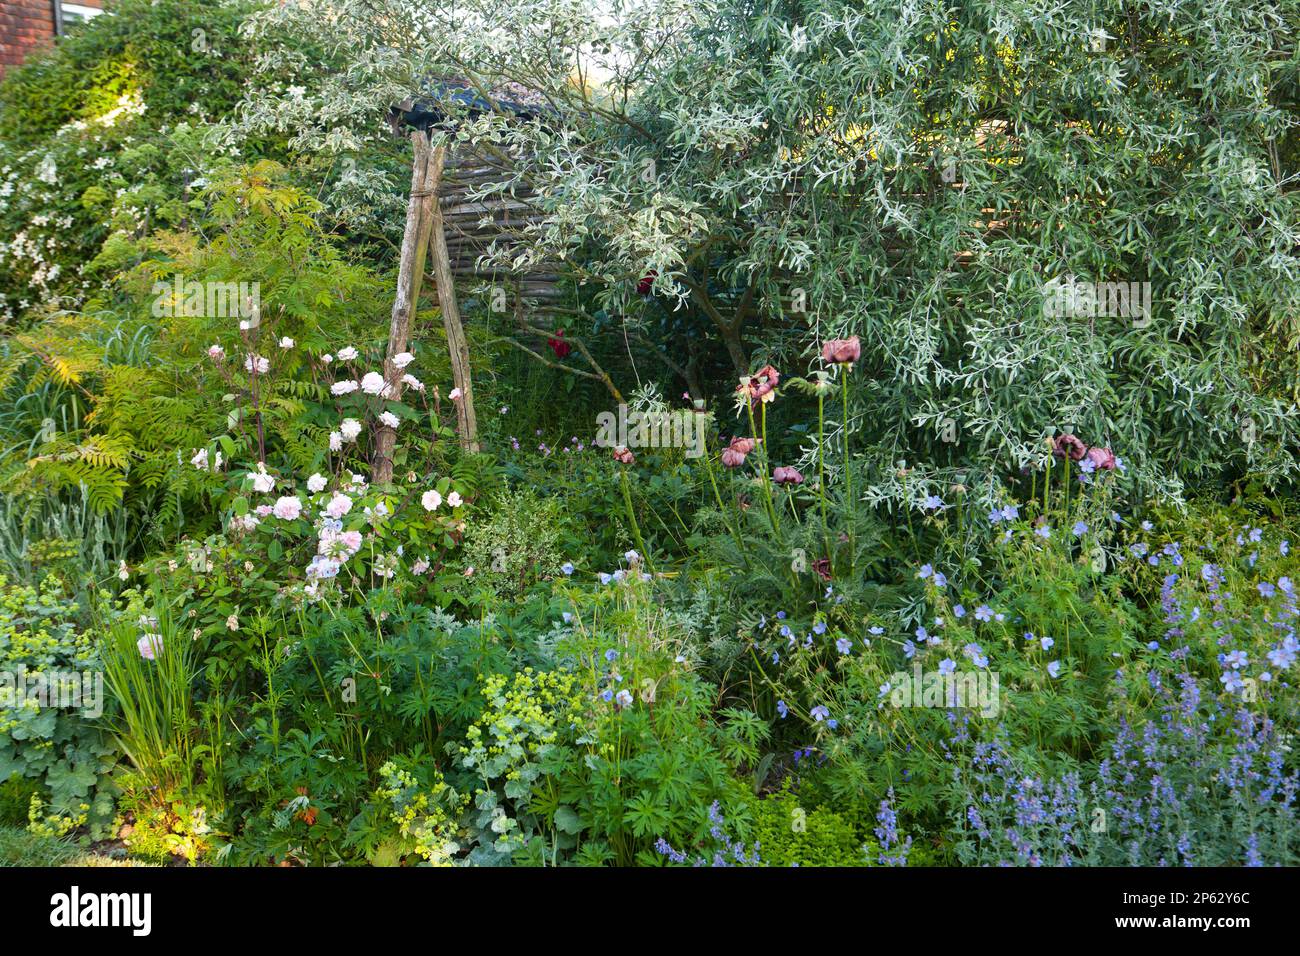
[467, 424]
[410, 270]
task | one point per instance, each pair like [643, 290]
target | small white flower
[336, 441]
[455, 395]
[286, 343]
[345, 387]
[350, 428]
[454, 499]
[262, 482]
[431, 500]
[410, 381]
[403, 359]
[257, 362]
[216, 353]
[347, 354]
[200, 460]
[245, 522]
[316, 483]
[389, 419]
[339, 505]
[327, 358]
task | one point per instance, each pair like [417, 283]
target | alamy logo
[677, 428]
[134, 910]
[977, 690]
[1069, 298]
[190, 298]
[70, 690]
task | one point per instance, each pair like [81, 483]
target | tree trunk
[467, 424]
[735, 348]
[410, 270]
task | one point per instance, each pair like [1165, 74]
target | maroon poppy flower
[1068, 446]
[787, 476]
[733, 456]
[823, 567]
[647, 282]
[560, 347]
[760, 387]
[842, 351]
[1103, 458]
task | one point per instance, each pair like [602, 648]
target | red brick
[25, 25]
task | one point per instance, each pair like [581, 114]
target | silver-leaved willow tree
[925, 174]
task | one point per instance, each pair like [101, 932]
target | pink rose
[288, 508]
[841, 351]
[624, 456]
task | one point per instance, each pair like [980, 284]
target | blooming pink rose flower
[1103, 458]
[624, 456]
[787, 476]
[288, 508]
[841, 351]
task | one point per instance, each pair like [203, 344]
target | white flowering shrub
[327, 525]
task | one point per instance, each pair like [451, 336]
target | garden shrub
[51, 734]
[788, 834]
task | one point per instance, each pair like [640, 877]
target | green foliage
[915, 175]
[99, 144]
[154, 395]
[50, 701]
[517, 545]
[788, 834]
[539, 655]
[23, 848]
[150, 669]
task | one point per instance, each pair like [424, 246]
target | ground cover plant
[897, 467]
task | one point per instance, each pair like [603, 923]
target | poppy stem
[631, 517]
[848, 477]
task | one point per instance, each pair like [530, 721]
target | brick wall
[27, 24]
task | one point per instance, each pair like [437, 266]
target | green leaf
[568, 821]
